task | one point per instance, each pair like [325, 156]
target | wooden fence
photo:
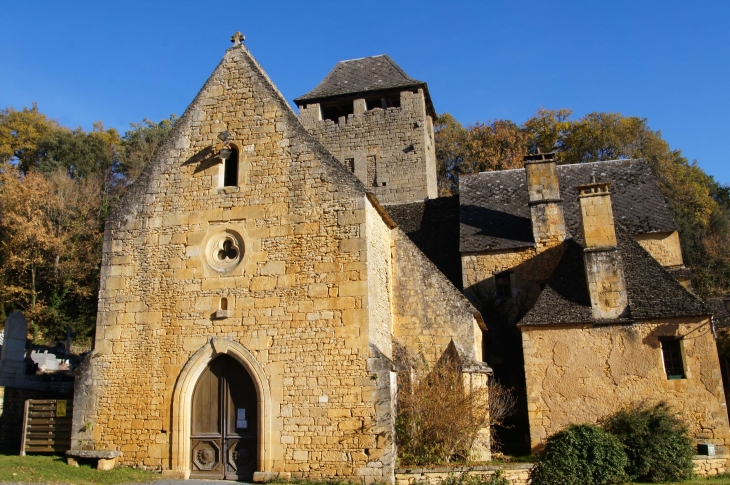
[46, 426]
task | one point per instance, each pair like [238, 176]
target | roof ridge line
[361, 58]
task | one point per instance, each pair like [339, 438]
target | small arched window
[230, 169]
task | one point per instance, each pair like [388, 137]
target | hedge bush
[580, 455]
[656, 442]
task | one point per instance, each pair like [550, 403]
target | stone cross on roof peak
[237, 38]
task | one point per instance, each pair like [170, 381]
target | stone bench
[105, 460]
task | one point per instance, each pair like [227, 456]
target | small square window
[503, 285]
[350, 163]
[672, 354]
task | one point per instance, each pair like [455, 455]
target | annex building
[265, 268]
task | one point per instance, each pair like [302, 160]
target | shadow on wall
[436, 233]
[503, 341]
[499, 225]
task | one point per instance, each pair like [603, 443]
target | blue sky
[120, 62]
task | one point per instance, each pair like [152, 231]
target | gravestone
[12, 361]
[16, 331]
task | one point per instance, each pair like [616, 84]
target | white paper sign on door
[241, 422]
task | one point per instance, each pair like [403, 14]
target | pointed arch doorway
[224, 422]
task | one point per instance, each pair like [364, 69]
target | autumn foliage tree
[57, 187]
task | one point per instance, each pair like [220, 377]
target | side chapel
[263, 270]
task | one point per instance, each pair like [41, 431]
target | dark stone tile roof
[495, 215]
[722, 316]
[361, 75]
[433, 226]
[652, 291]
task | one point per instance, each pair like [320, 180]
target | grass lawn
[53, 469]
[723, 480]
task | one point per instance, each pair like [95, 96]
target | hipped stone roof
[494, 210]
[360, 76]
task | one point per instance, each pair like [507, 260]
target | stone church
[264, 268]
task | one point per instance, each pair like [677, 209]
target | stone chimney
[546, 208]
[603, 265]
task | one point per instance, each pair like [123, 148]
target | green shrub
[656, 442]
[580, 455]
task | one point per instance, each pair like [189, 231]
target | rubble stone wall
[514, 473]
[582, 374]
[399, 141]
[429, 311]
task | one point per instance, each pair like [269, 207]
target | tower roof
[359, 76]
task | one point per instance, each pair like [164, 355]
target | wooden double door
[224, 422]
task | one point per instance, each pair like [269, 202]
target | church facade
[252, 292]
[262, 272]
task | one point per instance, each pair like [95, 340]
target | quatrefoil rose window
[225, 251]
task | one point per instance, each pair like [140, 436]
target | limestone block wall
[663, 246]
[428, 310]
[391, 151]
[296, 290]
[579, 375]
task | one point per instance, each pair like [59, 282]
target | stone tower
[378, 122]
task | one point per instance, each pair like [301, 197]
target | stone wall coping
[463, 469]
[100, 454]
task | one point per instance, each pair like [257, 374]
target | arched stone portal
[182, 407]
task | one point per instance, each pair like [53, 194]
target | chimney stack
[546, 208]
[603, 265]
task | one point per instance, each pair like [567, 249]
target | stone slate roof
[433, 226]
[652, 291]
[722, 316]
[360, 75]
[495, 214]
[363, 75]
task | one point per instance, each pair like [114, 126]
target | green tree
[20, 133]
[451, 148]
[140, 143]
